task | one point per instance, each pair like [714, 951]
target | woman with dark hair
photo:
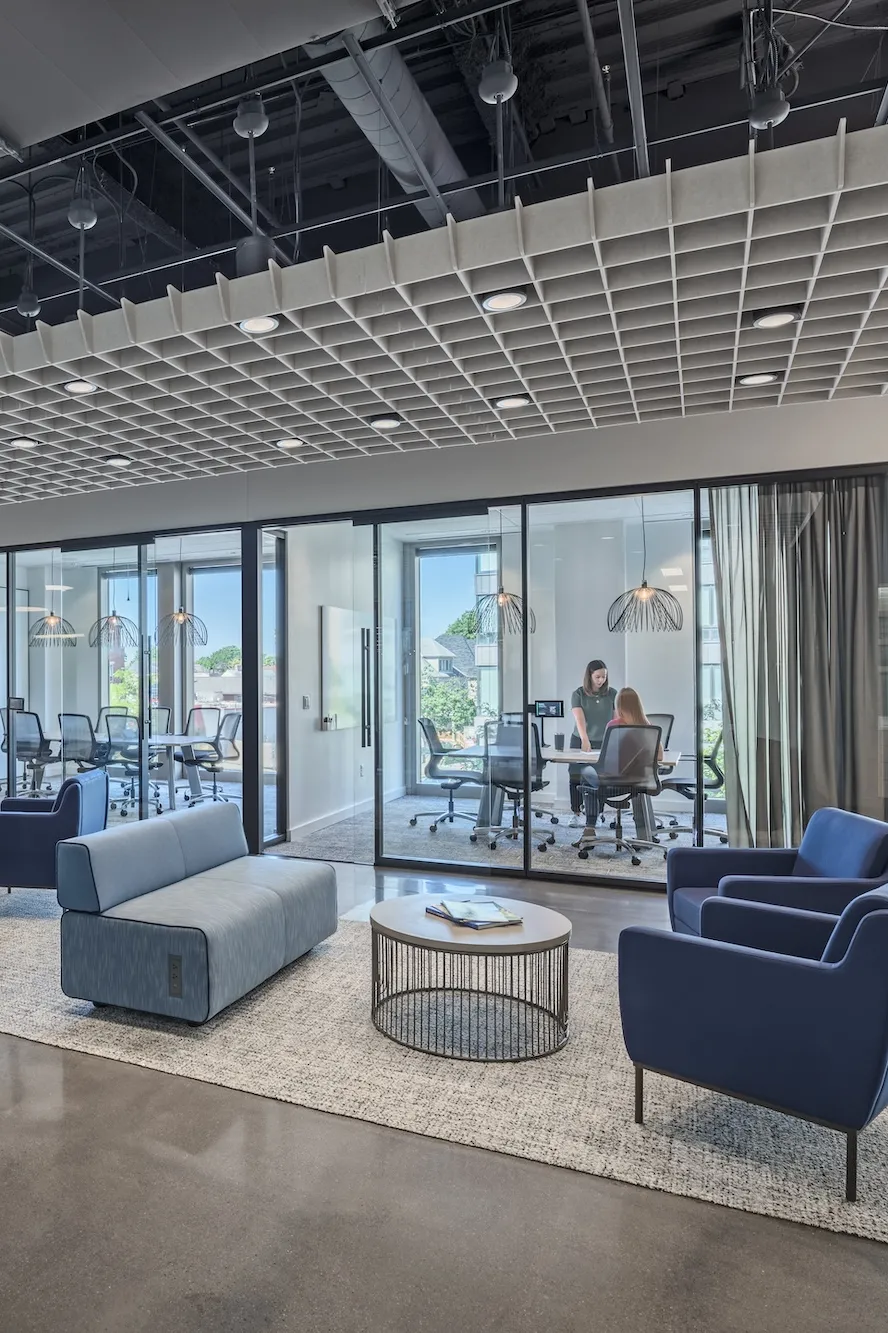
[592, 705]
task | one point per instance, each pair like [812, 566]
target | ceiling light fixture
[508, 298]
[23, 442]
[760, 377]
[643, 608]
[118, 460]
[385, 421]
[293, 442]
[670, 571]
[80, 387]
[56, 587]
[510, 400]
[258, 324]
[776, 318]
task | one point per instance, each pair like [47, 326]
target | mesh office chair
[505, 769]
[79, 743]
[665, 721]
[627, 771]
[159, 718]
[211, 756]
[688, 787]
[32, 750]
[204, 722]
[451, 779]
[122, 762]
[112, 710]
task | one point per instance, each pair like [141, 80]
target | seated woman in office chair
[592, 705]
[628, 712]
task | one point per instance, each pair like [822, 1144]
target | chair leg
[851, 1166]
[639, 1094]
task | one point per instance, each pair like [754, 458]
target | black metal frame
[851, 1135]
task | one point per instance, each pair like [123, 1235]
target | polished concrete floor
[135, 1201]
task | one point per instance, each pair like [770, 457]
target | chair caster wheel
[673, 835]
[123, 814]
[673, 823]
[554, 819]
[413, 822]
[473, 837]
[551, 838]
[583, 854]
[492, 846]
[724, 841]
[433, 828]
[636, 860]
[542, 847]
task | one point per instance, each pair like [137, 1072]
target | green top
[598, 710]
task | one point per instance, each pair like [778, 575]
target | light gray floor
[137, 1202]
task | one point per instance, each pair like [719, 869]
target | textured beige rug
[306, 1037]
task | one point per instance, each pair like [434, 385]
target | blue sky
[446, 589]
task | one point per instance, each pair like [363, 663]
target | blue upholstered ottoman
[172, 916]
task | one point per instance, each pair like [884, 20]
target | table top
[172, 738]
[406, 919]
[549, 754]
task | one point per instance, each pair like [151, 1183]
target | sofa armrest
[784, 930]
[27, 804]
[703, 867]
[811, 894]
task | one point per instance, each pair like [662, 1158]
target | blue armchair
[804, 1035]
[30, 829]
[841, 856]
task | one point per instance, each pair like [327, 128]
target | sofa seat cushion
[239, 935]
[686, 907]
[306, 889]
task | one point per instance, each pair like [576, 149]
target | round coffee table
[497, 994]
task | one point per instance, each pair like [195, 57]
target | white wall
[747, 442]
[328, 565]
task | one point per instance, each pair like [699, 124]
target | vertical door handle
[366, 712]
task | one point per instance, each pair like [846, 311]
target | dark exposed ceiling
[158, 225]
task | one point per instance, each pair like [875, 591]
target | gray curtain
[797, 572]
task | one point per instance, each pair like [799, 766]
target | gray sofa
[172, 916]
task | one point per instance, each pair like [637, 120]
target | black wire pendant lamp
[52, 630]
[501, 612]
[644, 609]
[114, 631]
[181, 626]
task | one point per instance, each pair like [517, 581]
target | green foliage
[269, 660]
[222, 659]
[464, 625]
[450, 703]
[123, 689]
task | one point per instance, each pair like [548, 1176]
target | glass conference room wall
[102, 683]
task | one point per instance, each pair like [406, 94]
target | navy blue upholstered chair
[841, 856]
[30, 829]
[799, 1022]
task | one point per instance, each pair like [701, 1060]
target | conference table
[490, 808]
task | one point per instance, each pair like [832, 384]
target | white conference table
[171, 742]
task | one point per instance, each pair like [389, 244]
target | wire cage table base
[451, 991]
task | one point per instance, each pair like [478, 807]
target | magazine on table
[477, 914]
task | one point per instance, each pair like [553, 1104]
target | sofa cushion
[243, 932]
[840, 845]
[686, 908]
[307, 891]
[100, 870]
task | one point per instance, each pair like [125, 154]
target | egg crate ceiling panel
[639, 307]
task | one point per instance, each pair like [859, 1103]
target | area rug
[306, 1037]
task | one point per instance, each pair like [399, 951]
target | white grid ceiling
[641, 302]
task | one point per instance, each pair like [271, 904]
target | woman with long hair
[629, 712]
[592, 705]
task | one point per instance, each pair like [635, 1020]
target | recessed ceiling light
[678, 587]
[258, 324]
[80, 387]
[507, 298]
[513, 400]
[385, 421]
[118, 460]
[292, 442]
[58, 587]
[611, 538]
[777, 317]
[760, 377]
[23, 442]
[670, 571]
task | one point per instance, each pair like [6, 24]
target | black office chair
[505, 769]
[122, 762]
[160, 720]
[688, 787]
[110, 710]
[665, 721]
[451, 779]
[627, 771]
[210, 756]
[79, 743]
[203, 721]
[32, 750]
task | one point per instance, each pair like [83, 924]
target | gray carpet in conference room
[306, 1037]
[352, 840]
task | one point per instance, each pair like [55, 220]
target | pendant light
[181, 626]
[501, 612]
[52, 630]
[114, 631]
[644, 609]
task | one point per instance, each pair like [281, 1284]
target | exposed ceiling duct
[385, 102]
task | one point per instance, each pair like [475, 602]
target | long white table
[172, 742]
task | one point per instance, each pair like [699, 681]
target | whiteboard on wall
[341, 676]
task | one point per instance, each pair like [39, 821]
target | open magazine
[476, 913]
